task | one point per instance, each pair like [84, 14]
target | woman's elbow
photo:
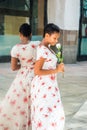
[13, 68]
[37, 72]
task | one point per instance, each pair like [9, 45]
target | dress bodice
[51, 60]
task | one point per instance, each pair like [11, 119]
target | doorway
[82, 47]
[15, 12]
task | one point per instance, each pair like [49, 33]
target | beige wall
[12, 24]
[55, 11]
[40, 16]
[65, 13]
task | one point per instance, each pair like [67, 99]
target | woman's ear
[47, 35]
[30, 36]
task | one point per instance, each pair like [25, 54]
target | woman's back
[26, 53]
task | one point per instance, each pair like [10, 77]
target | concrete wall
[66, 15]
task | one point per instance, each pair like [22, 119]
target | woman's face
[23, 38]
[53, 38]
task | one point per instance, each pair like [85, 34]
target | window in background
[15, 12]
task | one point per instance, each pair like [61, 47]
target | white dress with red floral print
[15, 107]
[47, 109]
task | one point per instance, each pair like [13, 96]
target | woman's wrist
[54, 71]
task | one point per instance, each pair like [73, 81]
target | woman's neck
[25, 41]
[44, 42]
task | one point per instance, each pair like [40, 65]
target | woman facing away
[46, 107]
[15, 108]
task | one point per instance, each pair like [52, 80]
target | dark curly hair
[25, 30]
[51, 28]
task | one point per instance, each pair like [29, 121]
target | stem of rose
[61, 61]
[63, 74]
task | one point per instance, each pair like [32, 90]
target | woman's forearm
[45, 72]
[17, 67]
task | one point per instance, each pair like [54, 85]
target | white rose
[58, 45]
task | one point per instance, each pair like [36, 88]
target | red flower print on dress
[14, 90]
[48, 60]
[39, 124]
[40, 77]
[53, 124]
[33, 86]
[16, 124]
[31, 68]
[4, 115]
[56, 89]
[58, 100]
[22, 112]
[35, 96]
[30, 60]
[62, 118]
[52, 77]
[49, 109]
[38, 90]
[49, 87]
[33, 46]
[54, 106]
[20, 82]
[29, 122]
[18, 107]
[46, 115]
[18, 95]
[41, 109]
[44, 96]
[18, 55]
[29, 107]
[6, 128]
[13, 102]
[43, 83]
[9, 118]
[23, 58]
[29, 96]
[1, 125]
[24, 48]
[25, 99]
[24, 125]
[46, 53]
[22, 72]
[14, 113]
[53, 95]
[24, 90]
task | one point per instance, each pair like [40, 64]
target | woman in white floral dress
[15, 107]
[46, 106]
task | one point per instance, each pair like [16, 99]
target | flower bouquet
[58, 52]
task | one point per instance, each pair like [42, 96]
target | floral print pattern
[46, 107]
[15, 109]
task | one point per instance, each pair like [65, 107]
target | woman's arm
[39, 71]
[14, 64]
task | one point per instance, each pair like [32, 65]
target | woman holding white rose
[46, 108]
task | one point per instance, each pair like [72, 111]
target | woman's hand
[14, 64]
[60, 67]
